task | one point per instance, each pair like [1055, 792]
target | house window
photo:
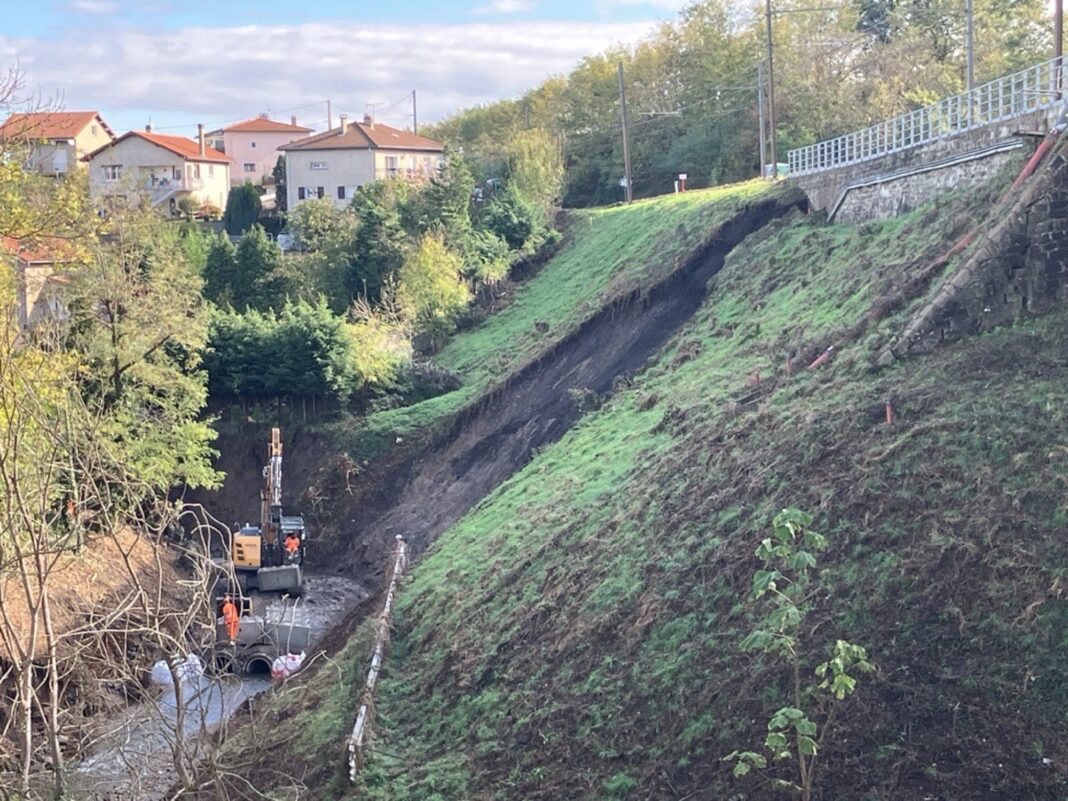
[250, 167]
[176, 173]
[300, 193]
[211, 170]
[112, 172]
[341, 193]
[391, 165]
[92, 130]
[319, 191]
[319, 165]
[252, 144]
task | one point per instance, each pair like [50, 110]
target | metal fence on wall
[1033, 89]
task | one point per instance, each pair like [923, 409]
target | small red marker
[822, 358]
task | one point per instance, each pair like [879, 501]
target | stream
[131, 759]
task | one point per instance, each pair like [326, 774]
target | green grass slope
[577, 635]
[608, 253]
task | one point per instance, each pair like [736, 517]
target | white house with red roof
[161, 167]
[336, 163]
[56, 140]
[253, 145]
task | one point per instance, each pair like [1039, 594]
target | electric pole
[415, 117]
[771, 95]
[626, 141]
[1058, 40]
[969, 33]
[329, 116]
[760, 111]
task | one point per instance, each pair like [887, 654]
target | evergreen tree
[279, 173]
[256, 264]
[242, 209]
[380, 243]
[219, 269]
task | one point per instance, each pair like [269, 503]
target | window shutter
[319, 191]
[300, 193]
[341, 193]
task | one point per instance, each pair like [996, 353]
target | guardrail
[385, 620]
[1033, 89]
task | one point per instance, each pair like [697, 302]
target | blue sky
[182, 62]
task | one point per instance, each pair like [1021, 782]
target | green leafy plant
[783, 588]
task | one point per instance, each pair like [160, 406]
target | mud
[132, 756]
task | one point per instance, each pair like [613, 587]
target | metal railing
[1033, 89]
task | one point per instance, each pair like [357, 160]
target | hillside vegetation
[577, 634]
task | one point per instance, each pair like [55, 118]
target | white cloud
[607, 7]
[219, 74]
[94, 6]
[505, 7]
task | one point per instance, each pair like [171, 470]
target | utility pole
[1058, 40]
[626, 140]
[771, 95]
[760, 111]
[970, 42]
[329, 116]
[415, 117]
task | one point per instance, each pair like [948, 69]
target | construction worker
[292, 546]
[230, 618]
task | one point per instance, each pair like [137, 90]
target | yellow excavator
[270, 557]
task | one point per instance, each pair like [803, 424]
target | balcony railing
[1034, 89]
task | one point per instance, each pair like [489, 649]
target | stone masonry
[899, 182]
[1018, 267]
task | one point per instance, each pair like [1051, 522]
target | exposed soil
[421, 492]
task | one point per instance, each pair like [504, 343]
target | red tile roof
[263, 125]
[48, 250]
[50, 125]
[363, 136]
[179, 145]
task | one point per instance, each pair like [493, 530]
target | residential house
[336, 163]
[253, 146]
[165, 168]
[57, 140]
[39, 279]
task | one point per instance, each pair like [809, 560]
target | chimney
[264, 116]
[200, 138]
[148, 127]
[344, 124]
[369, 121]
[293, 120]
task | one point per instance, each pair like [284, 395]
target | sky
[179, 62]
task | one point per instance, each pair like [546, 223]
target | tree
[318, 224]
[785, 589]
[535, 171]
[380, 244]
[279, 174]
[220, 264]
[445, 203]
[510, 218]
[138, 324]
[243, 207]
[431, 292]
[255, 282]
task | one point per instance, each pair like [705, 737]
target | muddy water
[132, 758]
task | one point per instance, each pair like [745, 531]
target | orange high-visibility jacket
[231, 619]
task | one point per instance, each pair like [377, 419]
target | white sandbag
[286, 665]
[161, 674]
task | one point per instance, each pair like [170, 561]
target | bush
[305, 350]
